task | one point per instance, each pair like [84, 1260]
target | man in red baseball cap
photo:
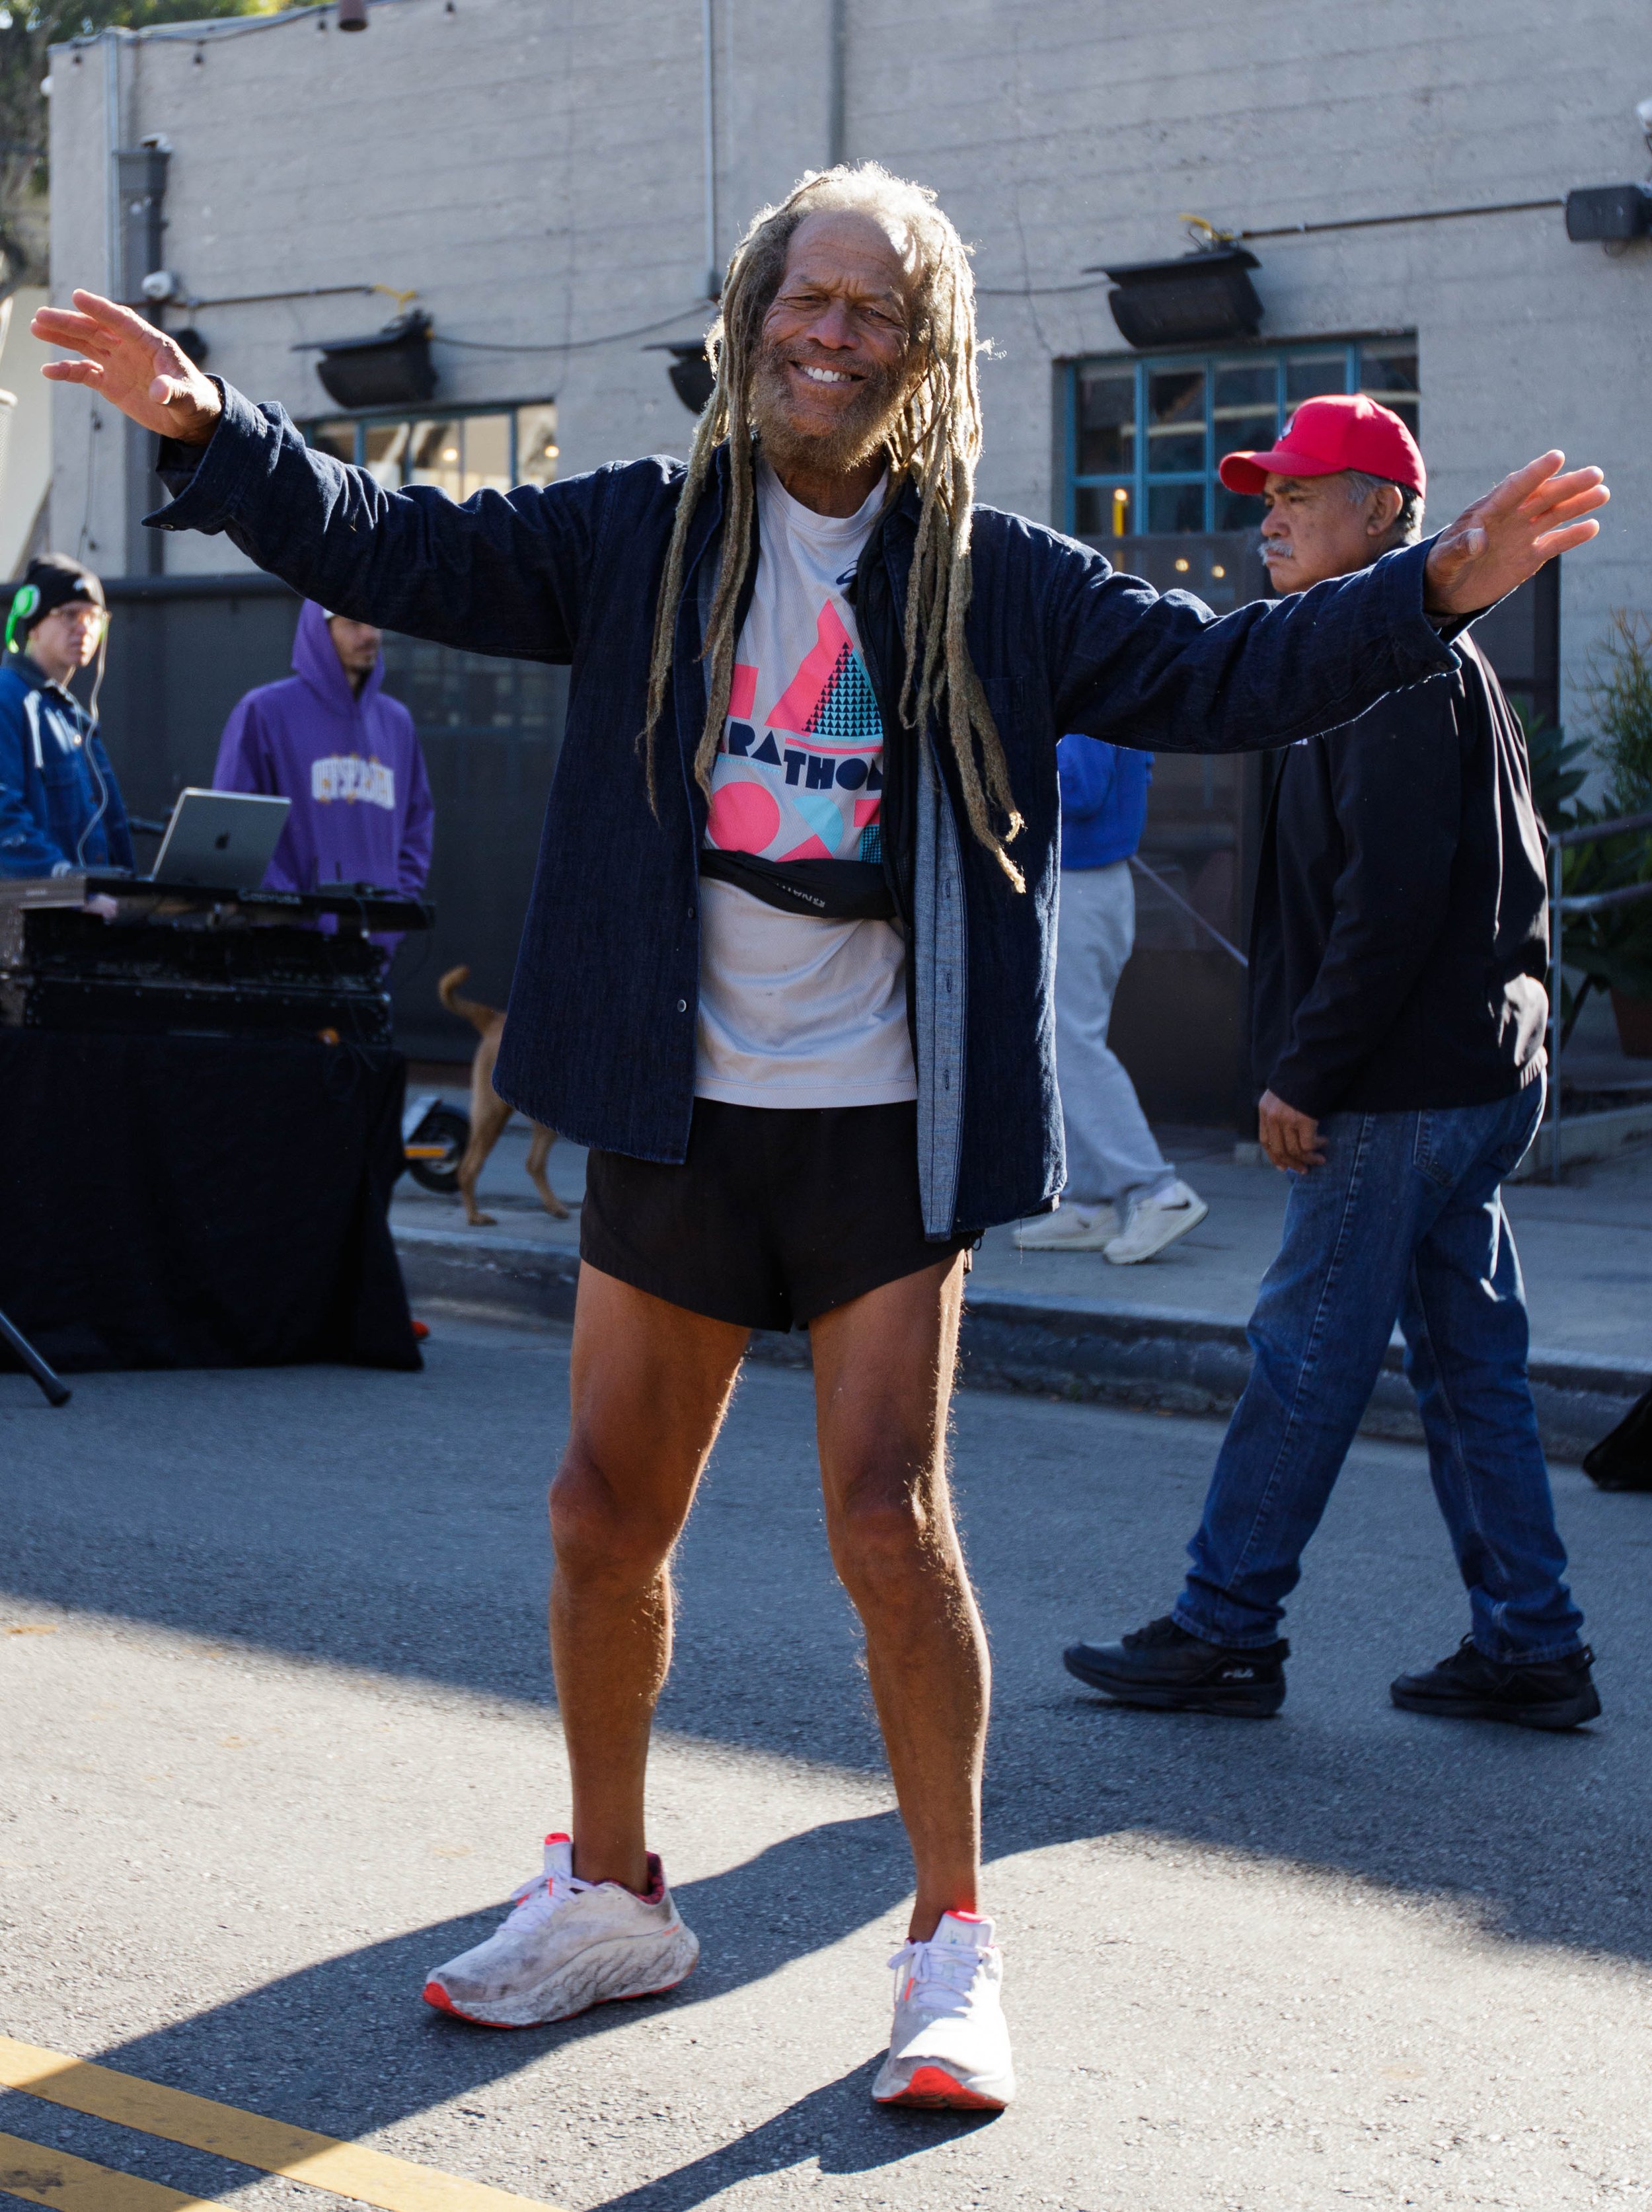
[1330, 437]
[1397, 954]
[1337, 453]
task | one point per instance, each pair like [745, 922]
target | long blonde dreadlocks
[934, 443]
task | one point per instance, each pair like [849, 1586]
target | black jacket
[1400, 937]
[599, 1040]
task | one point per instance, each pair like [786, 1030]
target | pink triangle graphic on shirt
[799, 701]
[811, 849]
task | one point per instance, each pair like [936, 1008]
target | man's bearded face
[834, 358]
[856, 432]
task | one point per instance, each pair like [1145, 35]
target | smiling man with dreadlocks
[787, 968]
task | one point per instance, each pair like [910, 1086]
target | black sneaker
[1553, 1693]
[1164, 1667]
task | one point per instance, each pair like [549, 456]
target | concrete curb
[1158, 1356]
[1586, 1137]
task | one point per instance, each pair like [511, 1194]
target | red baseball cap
[1345, 430]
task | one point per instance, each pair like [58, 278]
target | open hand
[1291, 1140]
[134, 366]
[1507, 537]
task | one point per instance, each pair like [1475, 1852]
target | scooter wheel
[447, 1127]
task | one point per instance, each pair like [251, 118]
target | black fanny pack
[832, 891]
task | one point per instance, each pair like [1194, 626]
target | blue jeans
[1404, 1220]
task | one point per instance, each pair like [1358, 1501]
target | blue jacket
[1103, 802]
[53, 818]
[599, 1041]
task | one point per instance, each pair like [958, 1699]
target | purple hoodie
[352, 767]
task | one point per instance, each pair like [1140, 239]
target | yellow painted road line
[370, 2177]
[40, 2176]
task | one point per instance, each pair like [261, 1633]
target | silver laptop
[223, 839]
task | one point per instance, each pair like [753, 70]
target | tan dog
[488, 1112]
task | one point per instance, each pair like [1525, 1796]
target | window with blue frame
[1145, 433]
[460, 450]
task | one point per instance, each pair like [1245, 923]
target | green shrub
[1619, 689]
[1613, 948]
[1556, 778]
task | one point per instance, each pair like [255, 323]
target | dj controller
[115, 953]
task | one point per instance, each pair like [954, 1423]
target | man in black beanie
[60, 807]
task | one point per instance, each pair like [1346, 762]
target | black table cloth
[184, 1201]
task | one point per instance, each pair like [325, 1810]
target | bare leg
[539, 1144]
[650, 1382]
[883, 1381]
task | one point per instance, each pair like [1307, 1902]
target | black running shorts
[776, 1215]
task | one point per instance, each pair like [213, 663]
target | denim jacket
[54, 818]
[599, 1040]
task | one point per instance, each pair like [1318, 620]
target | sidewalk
[1167, 1334]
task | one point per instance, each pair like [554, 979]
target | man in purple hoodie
[332, 741]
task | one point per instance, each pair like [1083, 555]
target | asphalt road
[276, 1736]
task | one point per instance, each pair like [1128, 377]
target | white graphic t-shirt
[795, 1011]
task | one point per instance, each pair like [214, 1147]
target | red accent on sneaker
[973, 1918]
[421, 1330]
[656, 1889]
[933, 2087]
[435, 1995]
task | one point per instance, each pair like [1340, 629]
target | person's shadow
[1542, 1839]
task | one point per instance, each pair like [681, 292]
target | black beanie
[52, 580]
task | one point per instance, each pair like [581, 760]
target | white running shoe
[1156, 1221]
[569, 1945]
[950, 2047]
[1069, 1229]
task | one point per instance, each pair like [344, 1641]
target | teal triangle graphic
[847, 711]
[822, 815]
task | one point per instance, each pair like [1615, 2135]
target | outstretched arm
[501, 574]
[1163, 673]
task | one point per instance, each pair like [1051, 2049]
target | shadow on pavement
[837, 2125]
[347, 2045]
[396, 1524]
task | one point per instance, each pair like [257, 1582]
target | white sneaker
[950, 2047]
[567, 1946]
[1156, 1221]
[1069, 1229]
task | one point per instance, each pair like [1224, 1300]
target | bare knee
[601, 1537]
[889, 1536]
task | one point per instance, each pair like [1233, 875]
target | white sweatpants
[1111, 1153]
